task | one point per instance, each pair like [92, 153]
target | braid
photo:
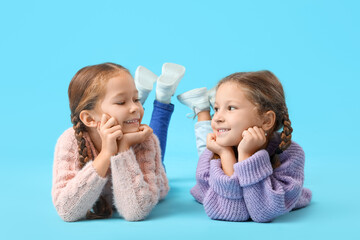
[285, 141]
[82, 149]
[101, 208]
[286, 133]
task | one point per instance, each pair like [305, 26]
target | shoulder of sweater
[151, 143]
[294, 156]
[293, 151]
[67, 139]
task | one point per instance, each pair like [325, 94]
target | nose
[218, 117]
[134, 108]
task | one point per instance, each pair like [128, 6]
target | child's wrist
[227, 154]
[242, 156]
[123, 147]
[228, 160]
[105, 154]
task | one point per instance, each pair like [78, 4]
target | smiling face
[234, 113]
[121, 102]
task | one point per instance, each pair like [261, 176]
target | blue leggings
[160, 121]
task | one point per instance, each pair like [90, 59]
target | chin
[132, 130]
[228, 143]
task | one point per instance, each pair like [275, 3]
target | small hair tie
[278, 151]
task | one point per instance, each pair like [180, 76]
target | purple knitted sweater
[255, 190]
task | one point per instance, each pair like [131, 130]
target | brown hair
[86, 88]
[264, 90]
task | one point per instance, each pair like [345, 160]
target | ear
[88, 118]
[268, 120]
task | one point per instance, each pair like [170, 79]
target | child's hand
[213, 146]
[110, 132]
[253, 140]
[130, 139]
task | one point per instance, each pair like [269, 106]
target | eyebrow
[120, 94]
[230, 101]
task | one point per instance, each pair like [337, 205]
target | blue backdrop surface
[312, 46]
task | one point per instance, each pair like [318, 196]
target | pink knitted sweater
[134, 184]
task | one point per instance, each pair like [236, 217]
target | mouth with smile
[134, 121]
[222, 131]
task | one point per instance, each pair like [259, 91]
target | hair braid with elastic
[285, 134]
[285, 141]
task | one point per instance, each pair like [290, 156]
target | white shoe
[196, 99]
[168, 81]
[211, 94]
[144, 81]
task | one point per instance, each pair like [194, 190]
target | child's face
[234, 113]
[121, 102]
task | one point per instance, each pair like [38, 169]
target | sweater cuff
[222, 184]
[94, 176]
[90, 178]
[254, 169]
[123, 157]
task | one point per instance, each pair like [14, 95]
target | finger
[148, 130]
[110, 123]
[114, 128]
[259, 134]
[212, 137]
[245, 134]
[103, 120]
[117, 135]
[252, 132]
[262, 132]
[143, 127]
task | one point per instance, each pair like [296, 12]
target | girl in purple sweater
[247, 169]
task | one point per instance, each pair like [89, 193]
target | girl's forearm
[102, 163]
[243, 156]
[227, 162]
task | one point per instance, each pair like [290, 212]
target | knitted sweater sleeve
[270, 193]
[139, 180]
[202, 176]
[160, 175]
[74, 191]
[220, 194]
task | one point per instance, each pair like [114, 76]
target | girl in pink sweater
[109, 160]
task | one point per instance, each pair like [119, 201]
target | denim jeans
[160, 120]
[202, 129]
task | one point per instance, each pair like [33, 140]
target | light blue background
[312, 46]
